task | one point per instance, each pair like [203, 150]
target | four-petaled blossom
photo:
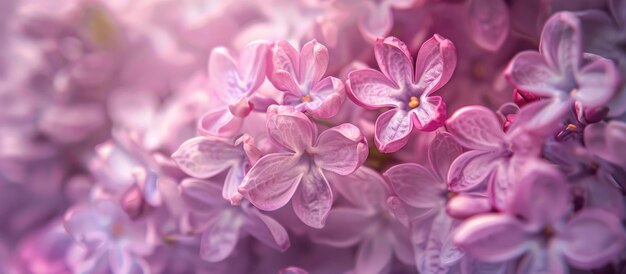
[535, 223]
[299, 77]
[405, 89]
[561, 73]
[233, 83]
[299, 171]
[206, 157]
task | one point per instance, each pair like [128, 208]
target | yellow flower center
[306, 98]
[571, 127]
[414, 102]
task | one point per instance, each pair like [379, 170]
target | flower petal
[489, 23]
[476, 127]
[592, 238]
[265, 229]
[234, 178]
[290, 128]
[528, 71]
[341, 149]
[597, 83]
[219, 122]
[430, 114]
[373, 255]
[221, 237]
[272, 181]
[201, 195]
[394, 60]
[376, 22]
[252, 65]
[561, 42]
[344, 227]
[392, 130]
[313, 63]
[607, 140]
[205, 157]
[365, 188]
[283, 68]
[416, 185]
[443, 150]
[313, 199]
[471, 170]
[327, 97]
[371, 89]
[467, 205]
[435, 64]
[492, 237]
[224, 76]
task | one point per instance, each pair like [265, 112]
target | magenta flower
[233, 83]
[299, 77]
[535, 223]
[404, 89]
[561, 73]
[299, 172]
[206, 157]
[222, 225]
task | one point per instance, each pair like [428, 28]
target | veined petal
[365, 188]
[201, 195]
[416, 185]
[327, 96]
[476, 127]
[205, 157]
[313, 199]
[290, 128]
[224, 76]
[265, 229]
[392, 130]
[371, 89]
[344, 227]
[597, 83]
[492, 237]
[434, 64]
[528, 71]
[219, 123]
[234, 178]
[341, 149]
[252, 65]
[272, 181]
[443, 150]
[283, 66]
[221, 237]
[430, 114]
[561, 42]
[313, 63]
[394, 60]
[471, 170]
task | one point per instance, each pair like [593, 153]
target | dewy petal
[224, 76]
[373, 255]
[219, 123]
[489, 23]
[471, 170]
[272, 181]
[492, 237]
[394, 60]
[365, 188]
[327, 96]
[561, 42]
[265, 229]
[541, 194]
[344, 227]
[205, 157]
[341, 149]
[528, 71]
[416, 185]
[290, 128]
[221, 237]
[597, 83]
[443, 150]
[252, 65]
[313, 63]
[371, 89]
[476, 127]
[313, 199]
[392, 130]
[434, 64]
[593, 238]
[283, 66]
[430, 114]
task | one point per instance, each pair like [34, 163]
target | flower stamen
[306, 98]
[414, 102]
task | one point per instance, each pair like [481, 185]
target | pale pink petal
[476, 127]
[201, 195]
[543, 261]
[434, 65]
[373, 255]
[234, 178]
[290, 128]
[561, 42]
[376, 22]
[120, 261]
[528, 71]
[543, 115]
[252, 65]
[205, 157]
[489, 23]
[313, 199]
[265, 229]
[394, 60]
[272, 181]
[433, 256]
[327, 96]
[492, 237]
[224, 76]
[607, 140]
[313, 63]
[371, 89]
[293, 270]
[416, 185]
[221, 237]
[593, 238]
[219, 122]
[443, 150]
[466, 205]
[344, 227]
[597, 83]
[430, 114]
[341, 149]
[283, 67]
[365, 188]
[471, 170]
[392, 130]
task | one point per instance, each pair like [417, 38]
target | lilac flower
[408, 95]
[205, 157]
[489, 23]
[299, 77]
[607, 140]
[368, 223]
[299, 172]
[535, 223]
[222, 225]
[233, 83]
[561, 73]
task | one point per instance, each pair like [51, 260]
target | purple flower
[404, 89]
[222, 225]
[233, 83]
[561, 73]
[299, 77]
[298, 172]
[535, 223]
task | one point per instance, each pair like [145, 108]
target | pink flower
[561, 73]
[405, 91]
[489, 23]
[299, 171]
[299, 77]
[535, 223]
[233, 83]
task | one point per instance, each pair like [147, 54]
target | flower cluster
[336, 136]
